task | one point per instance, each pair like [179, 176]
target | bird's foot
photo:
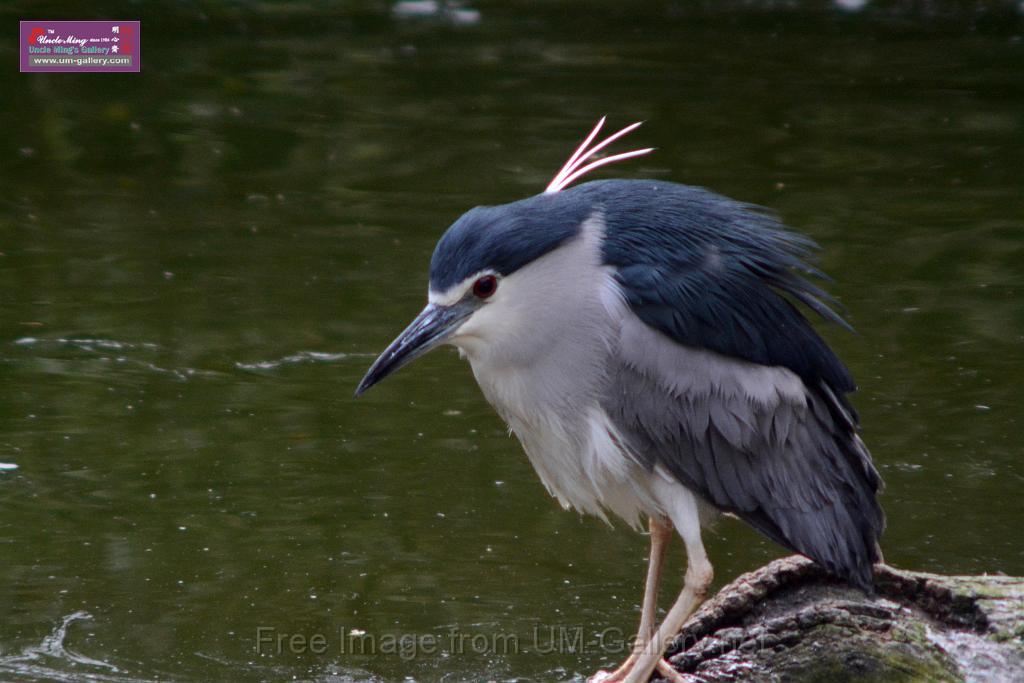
[664, 669]
[616, 676]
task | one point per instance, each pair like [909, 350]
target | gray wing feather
[753, 440]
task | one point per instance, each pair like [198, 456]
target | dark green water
[198, 262]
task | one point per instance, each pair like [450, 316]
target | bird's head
[489, 282]
[497, 272]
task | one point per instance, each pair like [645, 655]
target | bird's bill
[432, 327]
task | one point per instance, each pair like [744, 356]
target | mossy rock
[791, 622]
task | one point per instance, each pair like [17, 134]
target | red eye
[485, 286]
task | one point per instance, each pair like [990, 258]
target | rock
[790, 621]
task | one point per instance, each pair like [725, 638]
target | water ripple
[87, 344]
[101, 347]
[296, 359]
[53, 660]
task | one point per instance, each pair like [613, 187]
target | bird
[648, 343]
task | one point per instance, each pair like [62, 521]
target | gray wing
[753, 440]
[712, 273]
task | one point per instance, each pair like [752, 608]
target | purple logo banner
[80, 46]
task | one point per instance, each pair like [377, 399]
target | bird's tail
[842, 535]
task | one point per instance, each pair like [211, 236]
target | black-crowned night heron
[641, 339]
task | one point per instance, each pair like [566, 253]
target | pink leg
[699, 574]
[661, 532]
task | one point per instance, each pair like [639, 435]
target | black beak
[431, 328]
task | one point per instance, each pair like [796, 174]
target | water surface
[198, 262]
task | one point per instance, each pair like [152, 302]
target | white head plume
[574, 169]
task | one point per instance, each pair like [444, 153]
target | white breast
[540, 357]
[579, 458]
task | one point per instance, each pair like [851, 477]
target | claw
[664, 668]
[666, 671]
